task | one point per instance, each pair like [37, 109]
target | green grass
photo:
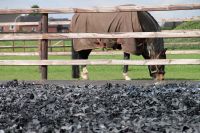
[32, 43]
[188, 41]
[188, 25]
[179, 72]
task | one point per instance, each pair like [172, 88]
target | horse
[141, 21]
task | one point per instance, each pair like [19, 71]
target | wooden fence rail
[92, 53]
[57, 46]
[69, 22]
[182, 43]
[100, 62]
[180, 19]
[35, 23]
[103, 9]
[63, 36]
[24, 46]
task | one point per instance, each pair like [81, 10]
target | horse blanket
[104, 23]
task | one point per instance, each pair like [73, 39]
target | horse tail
[75, 68]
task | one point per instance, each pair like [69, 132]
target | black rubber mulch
[29, 107]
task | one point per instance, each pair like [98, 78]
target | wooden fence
[69, 22]
[35, 23]
[180, 19]
[44, 37]
[23, 45]
[103, 9]
[66, 48]
[174, 52]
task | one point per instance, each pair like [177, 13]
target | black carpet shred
[44, 108]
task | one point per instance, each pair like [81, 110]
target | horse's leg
[84, 54]
[125, 70]
[84, 72]
[146, 55]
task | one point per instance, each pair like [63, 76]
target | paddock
[44, 37]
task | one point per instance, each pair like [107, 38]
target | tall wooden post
[44, 46]
[13, 46]
[24, 46]
[75, 68]
[63, 41]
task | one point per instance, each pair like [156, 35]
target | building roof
[58, 19]
[13, 18]
[8, 17]
[30, 18]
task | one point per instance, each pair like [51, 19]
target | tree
[35, 6]
[34, 14]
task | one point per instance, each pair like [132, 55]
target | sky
[15, 4]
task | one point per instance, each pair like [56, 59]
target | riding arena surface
[99, 106]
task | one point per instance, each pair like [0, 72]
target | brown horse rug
[104, 23]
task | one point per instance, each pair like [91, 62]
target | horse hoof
[84, 76]
[159, 77]
[126, 77]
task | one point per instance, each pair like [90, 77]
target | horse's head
[155, 50]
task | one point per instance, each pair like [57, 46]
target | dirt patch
[108, 107]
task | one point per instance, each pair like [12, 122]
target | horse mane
[149, 24]
[154, 20]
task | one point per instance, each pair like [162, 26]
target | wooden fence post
[24, 46]
[63, 42]
[44, 46]
[13, 46]
[75, 68]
